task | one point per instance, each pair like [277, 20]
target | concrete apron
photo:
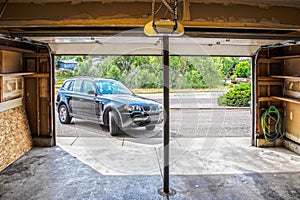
[188, 156]
[113, 168]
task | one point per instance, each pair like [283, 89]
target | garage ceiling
[212, 27]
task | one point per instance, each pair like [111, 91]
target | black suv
[108, 102]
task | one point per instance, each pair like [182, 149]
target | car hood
[130, 99]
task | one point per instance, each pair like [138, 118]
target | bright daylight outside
[114, 120]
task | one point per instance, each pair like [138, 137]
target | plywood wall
[11, 61]
[15, 136]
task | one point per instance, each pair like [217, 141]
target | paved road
[190, 100]
[184, 123]
[193, 121]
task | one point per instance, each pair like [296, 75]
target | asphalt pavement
[200, 100]
[192, 115]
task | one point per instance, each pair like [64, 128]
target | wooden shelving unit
[277, 84]
[11, 73]
[267, 85]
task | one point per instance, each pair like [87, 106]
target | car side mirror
[91, 92]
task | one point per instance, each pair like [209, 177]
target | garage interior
[33, 31]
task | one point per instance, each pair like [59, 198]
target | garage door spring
[271, 124]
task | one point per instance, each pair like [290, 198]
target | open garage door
[191, 157]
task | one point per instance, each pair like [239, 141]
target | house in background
[67, 65]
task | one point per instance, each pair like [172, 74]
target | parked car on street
[108, 102]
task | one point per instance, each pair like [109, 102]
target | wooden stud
[1, 89]
[186, 11]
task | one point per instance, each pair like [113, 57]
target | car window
[112, 87]
[77, 85]
[87, 86]
[71, 85]
[66, 85]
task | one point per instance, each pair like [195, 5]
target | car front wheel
[113, 126]
[63, 114]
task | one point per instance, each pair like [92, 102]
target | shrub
[64, 73]
[239, 96]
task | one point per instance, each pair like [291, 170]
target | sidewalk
[188, 156]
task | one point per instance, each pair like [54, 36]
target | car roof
[91, 78]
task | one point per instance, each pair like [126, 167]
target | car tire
[150, 127]
[63, 114]
[114, 129]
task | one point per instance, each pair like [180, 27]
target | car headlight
[136, 108]
[160, 107]
[132, 108]
[128, 108]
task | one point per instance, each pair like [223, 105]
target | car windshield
[112, 87]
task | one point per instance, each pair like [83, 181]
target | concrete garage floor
[114, 168]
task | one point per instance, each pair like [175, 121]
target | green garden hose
[271, 124]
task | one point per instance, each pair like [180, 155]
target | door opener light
[164, 28]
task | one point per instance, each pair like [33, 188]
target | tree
[114, 72]
[208, 74]
[224, 64]
[178, 67]
[243, 70]
[146, 71]
[195, 79]
[85, 68]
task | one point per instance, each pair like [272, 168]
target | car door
[89, 100]
[76, 98]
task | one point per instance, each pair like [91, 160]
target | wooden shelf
[292, 100]
[18, 74]
[10, 104]
[28, 74]
[40, 75]
[286, 57]
[268, 61]
[266, 78]
[266, 99]
[37, 55]
[287, 77]
[269, 83]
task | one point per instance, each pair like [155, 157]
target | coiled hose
[271, 130]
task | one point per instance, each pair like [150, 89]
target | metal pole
[167, 112]
[166, 190]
